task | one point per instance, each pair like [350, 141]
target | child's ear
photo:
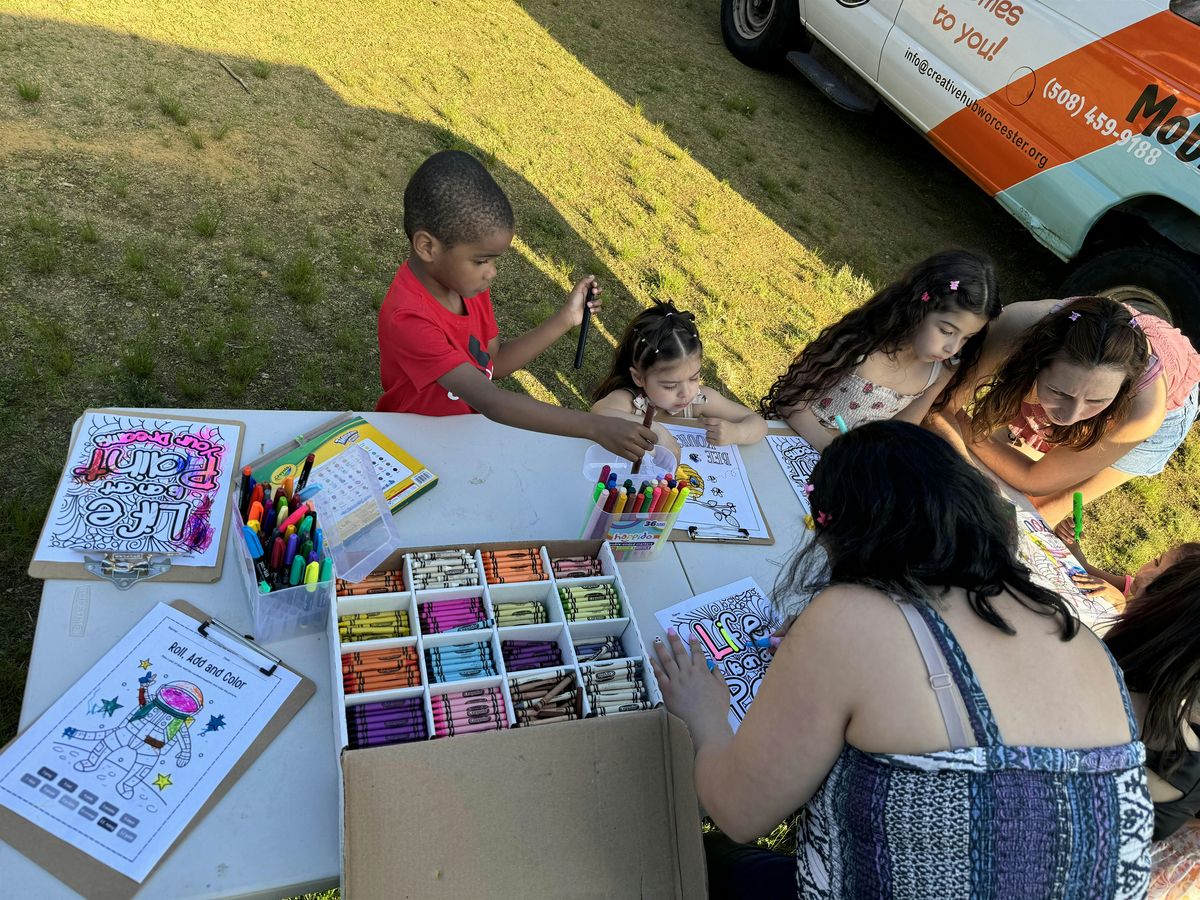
[637, 377]
[425, 246]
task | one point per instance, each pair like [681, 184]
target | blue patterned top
[987, 821]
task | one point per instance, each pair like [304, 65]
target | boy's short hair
[454, 198]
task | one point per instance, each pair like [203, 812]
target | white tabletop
[275, 833]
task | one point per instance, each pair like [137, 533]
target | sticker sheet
[143, 485]
[122, 762]
[797, 458]
[726, 621]
[721, 499]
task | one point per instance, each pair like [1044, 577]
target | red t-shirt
[420, 341]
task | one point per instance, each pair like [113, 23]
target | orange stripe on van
[1109, 74]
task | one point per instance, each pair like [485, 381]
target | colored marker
[1077, 501]
[604, 473]
[306, 471]
[766, 643]
[841, 424]
[297, 570]
[585, 324]
[247, 488]
[646, 420]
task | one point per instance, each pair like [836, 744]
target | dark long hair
[1156, 642]
[886, 323]
[1100, 334]
[906, 514]
[659, 334]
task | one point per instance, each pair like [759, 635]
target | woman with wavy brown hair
[1100, 392]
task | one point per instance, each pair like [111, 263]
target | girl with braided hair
[657, 364]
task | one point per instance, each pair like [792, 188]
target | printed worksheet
[143, 485]
[726, 621]
[797, 458]
[122, 762]
[721, 502]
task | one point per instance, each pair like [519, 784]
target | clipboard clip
[126, 569]
[220, 633]
[736, 535]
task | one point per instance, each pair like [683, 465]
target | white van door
[854, 29]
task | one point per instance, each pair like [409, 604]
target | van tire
[760, 32]
[1149, 278]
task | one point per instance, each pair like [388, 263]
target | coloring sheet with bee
[721, 501]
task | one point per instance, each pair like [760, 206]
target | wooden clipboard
[43, 568]
[725, 536]
[92, 878]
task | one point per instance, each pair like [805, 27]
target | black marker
[583, 326]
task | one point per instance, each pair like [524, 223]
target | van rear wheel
[1160, 280]
[760, 32]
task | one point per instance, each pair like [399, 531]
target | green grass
[29, 91]
[172, 108]
[206, 222]
[638, 149]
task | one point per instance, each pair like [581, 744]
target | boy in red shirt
[439, 346]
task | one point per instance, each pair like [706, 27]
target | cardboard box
[599, 808]
[603, 807]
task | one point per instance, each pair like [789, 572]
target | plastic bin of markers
[284, 612]
[358, 532]
[632, 537]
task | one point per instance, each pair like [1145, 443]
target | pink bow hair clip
[1134, 323]
[925, 297]
[1074, 317]
[808, 489]
[954, 285]
[823, 518]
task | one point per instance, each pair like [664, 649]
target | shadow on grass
[867, 192]
[240, 270]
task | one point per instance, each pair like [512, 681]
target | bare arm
[619, 404]
[946, 426]
[1061, 467]
[728, 422]
[802, 421]
[514, 355]
[627, 439]
[792, 734]
[916, 411]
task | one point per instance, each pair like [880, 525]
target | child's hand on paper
[621, 436]
[690, 689]
[573, 309]
[1095, 586]
[719, 432]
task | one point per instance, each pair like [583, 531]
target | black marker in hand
[583, 326]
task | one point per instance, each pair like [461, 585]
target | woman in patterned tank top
[943, 725]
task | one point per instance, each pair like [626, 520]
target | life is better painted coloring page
[727, 621]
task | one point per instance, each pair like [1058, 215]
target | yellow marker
[671, 498]
[683, 495]
[254, 526]
[619, 506]
[311, 573]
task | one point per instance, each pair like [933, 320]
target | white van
[1081, 117]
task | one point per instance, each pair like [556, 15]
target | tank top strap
[939, 676]
[979, 711]
[934, 371]
[1134, 731]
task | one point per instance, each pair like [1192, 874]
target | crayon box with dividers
[485, 810]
